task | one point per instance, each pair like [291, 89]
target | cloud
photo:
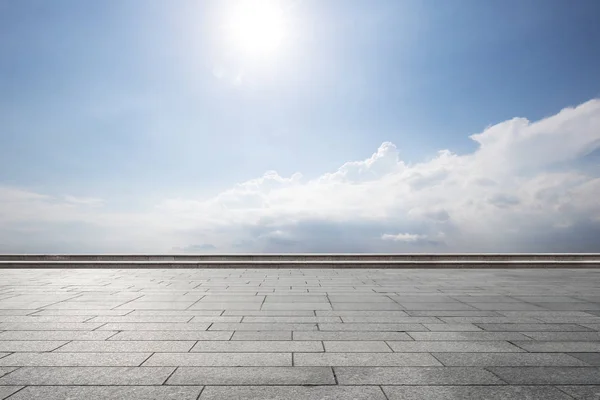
[403, 237]
[525, 188]
[196, 248]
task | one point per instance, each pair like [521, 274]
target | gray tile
[220, 360]
[449, 306]
[181, 313]
[414, 376]
[455, 313]
[548, 375]
[389, 319]
[286, 346]
[108, 392]
[506, 306]
[292, 393]
[144, 318]
[507, 360]
[365, 359]
[490, 320]
[271, 313]
[156, 305]
[468, 336]
[588, 358]
[362, 346]
[172, 335]
[252, 376]
[89, 313]
[29, 345]
[261, 335]
[362, 313]
[263, 327]
[454, 346]
[74, 359]
[366, 306]
[452, 327]
[293, 320]
[582, 392]
[371, 327]
[304, 298]
[48, 326]
[44, 319]
[145, 346]
[562, 336]
[87, 376]
[357, 335]
[142, 326]
[559, 347]
[6, 391]
[296, 306]
[473, 393]
[542, 327]
[225, 306]
[55, 335]
[6, 370]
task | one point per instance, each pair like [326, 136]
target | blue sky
[124, 116]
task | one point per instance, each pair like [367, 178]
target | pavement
[376, 334]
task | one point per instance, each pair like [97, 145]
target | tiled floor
[300, 334]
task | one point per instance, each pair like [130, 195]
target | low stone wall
[582, 260]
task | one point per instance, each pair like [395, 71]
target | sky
[147, 126]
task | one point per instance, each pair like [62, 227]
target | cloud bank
[529, 186]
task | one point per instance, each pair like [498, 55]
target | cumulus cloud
[525, 188]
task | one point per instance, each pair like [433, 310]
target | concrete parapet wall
[547, 260]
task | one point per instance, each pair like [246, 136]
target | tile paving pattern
[386, 334]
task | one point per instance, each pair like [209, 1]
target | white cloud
[523, 189]
[403, 237]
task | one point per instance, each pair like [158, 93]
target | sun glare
[257, 27]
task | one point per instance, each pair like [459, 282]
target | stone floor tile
[473, 393]
[261, 335]
[74, 359]
[454, 346]
[116, 346]
[371, 327]
[508, 360]
[559, 347]
[582, 392]
[362, 346]
[262, 327]
[220, 360]
[29, 376]
[158, 326]
[48, 326]
[541, 327]
[415, 376]
[6, 391]
[172, 335]
[109, 392]
[349, 335]
[366, 359]
[29, 345]
[248, 346]
[293, 393]
[56, 335]
[588, 358]
[252, 376]
[548, 375]
[468, 336]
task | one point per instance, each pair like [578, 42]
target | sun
[257, 28]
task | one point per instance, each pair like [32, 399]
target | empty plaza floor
[376, 334]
